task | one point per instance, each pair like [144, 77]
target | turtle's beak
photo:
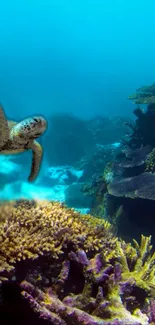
[43, 125]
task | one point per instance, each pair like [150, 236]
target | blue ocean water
[78, 57]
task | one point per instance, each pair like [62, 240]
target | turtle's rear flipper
[37, 152]
[4, 128]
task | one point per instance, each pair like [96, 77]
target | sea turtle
[18, 137]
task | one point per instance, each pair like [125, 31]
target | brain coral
[29, 229]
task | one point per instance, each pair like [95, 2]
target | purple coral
[50, 308]
[152, 311]
[80, 257]
[96, 267]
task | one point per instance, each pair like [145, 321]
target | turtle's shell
[11, 124]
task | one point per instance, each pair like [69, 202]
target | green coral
[127, 277]
[138, 264]
[134, 268]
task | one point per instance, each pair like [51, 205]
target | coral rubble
[70, 268]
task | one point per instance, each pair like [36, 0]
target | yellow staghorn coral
[138, 264]
[29, 229]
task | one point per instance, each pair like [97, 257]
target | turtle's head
[29, 129]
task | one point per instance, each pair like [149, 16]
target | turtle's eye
[36, 120]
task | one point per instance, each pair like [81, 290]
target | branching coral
[71, 269]
[48, 307]
[32, 229]
[112, 294]
[96, 190]
[133, 275]
[138, 263]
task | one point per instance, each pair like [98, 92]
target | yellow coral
[29, 229]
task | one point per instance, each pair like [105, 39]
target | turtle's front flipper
[37, 152]
[4, 128]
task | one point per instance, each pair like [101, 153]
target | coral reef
[95, 190]
[144, 95]
[70, 269]
[150, 162]
[138, 263]
[96, 187]
[142, 130]
[123, 191]
[141, 186]
[32, 229]
[130, 191]
[96, 161]
[97, 173]
[130, 279]
[135, 157]
[107, 130]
